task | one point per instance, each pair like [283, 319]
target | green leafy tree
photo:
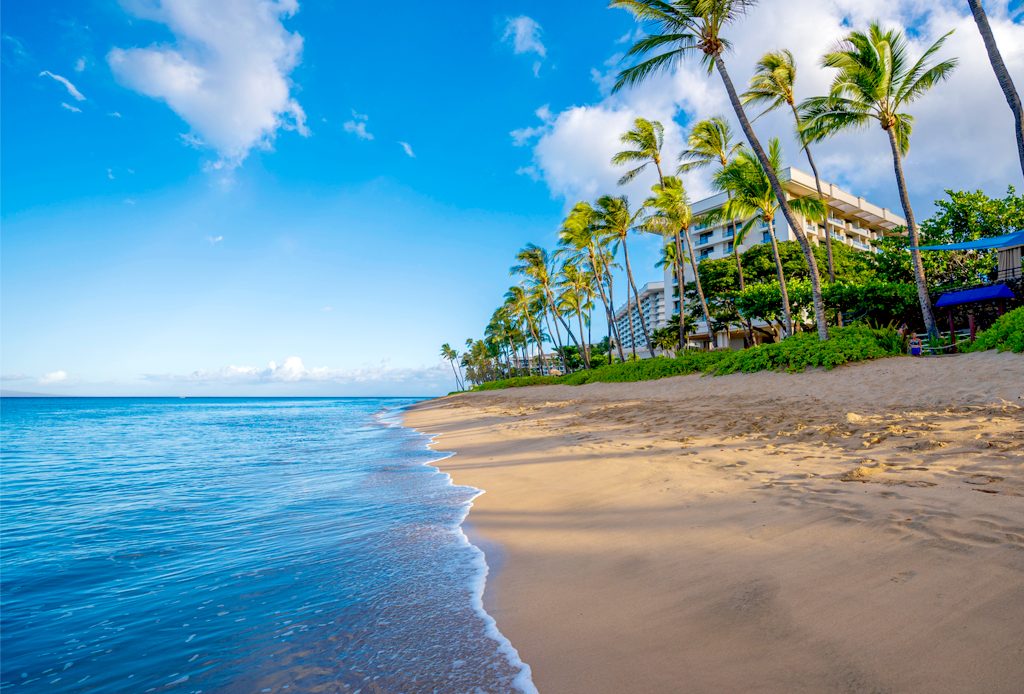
[876, 81]
[682, 27]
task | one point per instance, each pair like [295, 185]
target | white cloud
[80, 65]
[191, 140]
[114, 114]
[293, 370]
[72, 90]
[357, 128]
[407, 148]
[227, 74]
[214, 240]
[524, 34]
[571, 153]
[110, 174]
[69, 107]
[58, 376]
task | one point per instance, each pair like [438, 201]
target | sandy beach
[856, 530]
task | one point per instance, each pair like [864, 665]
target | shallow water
[240, 545]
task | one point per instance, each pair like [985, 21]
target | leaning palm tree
[875, 82]
[671, 213]
[536, 266]
[579, 238]
[521, 304]
[753, 197]
[574, 295]
[772, 87]
[681, 27]
[1002, 74]
[447, 352]
[646, 138]
[615, 220]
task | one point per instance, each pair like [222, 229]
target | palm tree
[1002, 74]
[666, 340]
[578, 236]
[523, 306]
[646, 137]
[772, 87]
[682, 27]
[753, 196]
[535, 265]
[615, 220]
[672, 213]
[447, 352]
[876, 81]
[710, 143]
[575, 286]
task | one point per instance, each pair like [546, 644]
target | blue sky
[250, 197]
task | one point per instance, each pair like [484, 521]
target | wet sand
[856, 530]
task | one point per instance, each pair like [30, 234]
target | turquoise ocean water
[236, 545]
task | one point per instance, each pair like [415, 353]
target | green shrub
[518, 382]
[1006, 334]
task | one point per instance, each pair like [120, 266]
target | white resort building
[852, 221]
[651, 310]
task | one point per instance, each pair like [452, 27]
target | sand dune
[859, 530]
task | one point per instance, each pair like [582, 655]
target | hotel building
[852, 221]
[650, 309]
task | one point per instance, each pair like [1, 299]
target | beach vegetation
[1005, 335]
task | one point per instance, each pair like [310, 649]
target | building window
[728, 247]
[766, 237]
[705, 238]
[728, 233]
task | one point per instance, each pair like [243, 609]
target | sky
[271, 197]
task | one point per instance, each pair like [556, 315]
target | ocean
[236, 545]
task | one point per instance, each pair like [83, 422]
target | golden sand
[856, 530]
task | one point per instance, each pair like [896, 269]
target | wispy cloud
[110, 174]
[73, 109]
[294, 370]
[524, 34]
[114, 114]
[214, 240]
[58, 376]
[72, 89]
[357, 126]
[80, 65]
[227, 73]
[407, 148]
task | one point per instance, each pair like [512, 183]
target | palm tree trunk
[629, 320]
[558, 341]
[748, 330]
[458, 382]
[557, 314]
[780, 193]
[540, 344]
[821, 196]
[611, 315]
[681, 284]
[1002, 74]
[586, 348]
[700, 290]
[782, 279]
[639, 310]
[915, 255]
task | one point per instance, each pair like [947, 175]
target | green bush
[853, 343]
[1006, 334]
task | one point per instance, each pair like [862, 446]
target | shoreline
[778, 532]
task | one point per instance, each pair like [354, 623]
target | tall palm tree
[615, 220]
[753, 196]
[447, 352]
[536, 266]
[710, 143]
[671, 213]
[522, 305]
[646, 138]
[771, 86]
[574, 295]
[579, 236]
[682, 27]
[875, 82]
[1002, 74]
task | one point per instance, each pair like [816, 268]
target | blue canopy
[1014, 238]
[969, 296]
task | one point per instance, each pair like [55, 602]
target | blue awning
[1015, 238]
[970, 296]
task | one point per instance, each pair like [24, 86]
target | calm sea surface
[236, 545]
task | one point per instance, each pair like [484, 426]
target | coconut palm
[681, 27]
[670, 212]
[646, 138]
[1002, 74]
[876, 81]
[522, 304]
[579, 237]
[754, 197]
[536, 266]
[615, 220]
[576, 286]
[772, 87]
[447, 352]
